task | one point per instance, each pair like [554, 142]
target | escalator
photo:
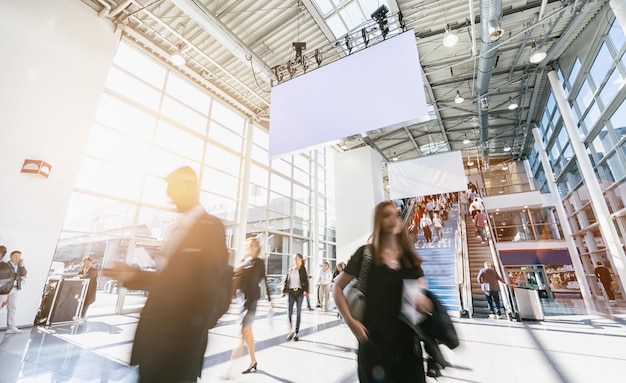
[479, 253]
[439, 259]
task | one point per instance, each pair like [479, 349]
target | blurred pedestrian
[296, 288]
[87, 271]
[604, 276]
[252, 271]
[388, 351]
[172, 333]
[323, 281]
[488, 277]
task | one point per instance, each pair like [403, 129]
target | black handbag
[355, 295]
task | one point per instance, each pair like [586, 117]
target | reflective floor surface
[566, 349]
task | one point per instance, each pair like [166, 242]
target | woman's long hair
[402, 237]
[295, 264]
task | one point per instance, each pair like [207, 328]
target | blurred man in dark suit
[172, 333]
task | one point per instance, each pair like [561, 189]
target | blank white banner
[438, 173]
[378, 87]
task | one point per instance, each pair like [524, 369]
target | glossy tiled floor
[568, 349]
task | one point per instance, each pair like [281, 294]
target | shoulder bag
[356, 295]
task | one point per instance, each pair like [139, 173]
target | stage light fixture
[458, 99]
[512, 104]
[484, 103]
[537, 55]
[380, 16]
[450, 38]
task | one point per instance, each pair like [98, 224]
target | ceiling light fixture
[512, 104]
[470, 162]
[450, 38]
[177, 57]
[343, 146]
[507, 148]
[395, 157]
[466, 140]
[458, 99]
[484, 103]
[537, 55]
[505, 167]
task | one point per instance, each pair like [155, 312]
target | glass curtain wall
[152, 120]
[596, 84]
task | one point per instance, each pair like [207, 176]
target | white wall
[358, 188]
[56, 55]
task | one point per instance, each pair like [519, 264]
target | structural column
[244, 192]
[598, 204]
[567, 231]
[358, 188]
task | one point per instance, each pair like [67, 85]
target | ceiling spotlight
[470, 162]
[450, 38]
[458, 99]
[395, 157]
[484, 103]
[507, 148]
[537, 55]
[343, 146]
[177, 57]
[505, 167]
[512, 104]
[466, 140]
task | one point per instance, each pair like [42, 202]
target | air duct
[490, 32]
[211, 24]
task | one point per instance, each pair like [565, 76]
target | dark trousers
[380, 364]
[493, 297]
[295, 296]
[428, 235]
[608, 289]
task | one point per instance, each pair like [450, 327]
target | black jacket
[172, 332]
[304, 280]
[437, 329]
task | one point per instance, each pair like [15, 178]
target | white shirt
[294, 279]
[325, 277]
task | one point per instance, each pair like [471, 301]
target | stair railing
[507, 297]
[463, 277]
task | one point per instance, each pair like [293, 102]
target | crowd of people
[172, 333]
[429, 216]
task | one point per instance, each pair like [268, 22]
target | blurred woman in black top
[387, 348]
[252, 271]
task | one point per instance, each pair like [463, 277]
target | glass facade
[151, 121]
[597, 96]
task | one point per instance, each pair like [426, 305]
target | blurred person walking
[17, 264]
[323, 281]
[252, 271]
[387, 347]
[87, 271]
[296, 287]
[488, 277]
[604, 276]
[172, 333]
